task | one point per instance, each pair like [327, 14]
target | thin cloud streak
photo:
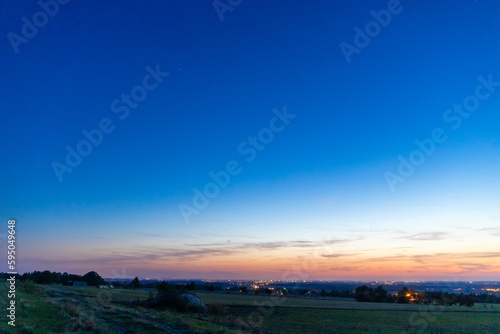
[427, 236]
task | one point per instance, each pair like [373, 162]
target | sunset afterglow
[321, 140]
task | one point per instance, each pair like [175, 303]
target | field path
[105, 313]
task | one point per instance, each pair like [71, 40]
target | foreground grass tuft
[34, 311]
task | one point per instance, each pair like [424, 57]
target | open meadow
[64, 309]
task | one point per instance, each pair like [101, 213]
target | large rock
[194, 304]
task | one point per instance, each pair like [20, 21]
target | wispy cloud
[339, 255]
[344, 268]
[195, 251]
[273, 245]
[427, 236]
[491, 231]
[433, 257]
[473, 266]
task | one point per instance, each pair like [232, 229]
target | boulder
[194, 304]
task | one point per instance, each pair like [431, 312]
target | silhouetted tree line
[5, 276]
[181, 288]
[302, 292]
[46, 277]
[409, 296]
[487, 298]
[378, 295]
[337, 293]
[442, 298]
[263, 290]
[136, 283]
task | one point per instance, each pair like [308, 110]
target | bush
[93, 279]
[31, 288]
[168, 296]
[217, 309]
[171, 296]
[369, 294]
[70, 309]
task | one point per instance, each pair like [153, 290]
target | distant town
[315, 287]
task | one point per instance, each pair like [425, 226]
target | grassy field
[329, 315]
[34, 311]
[60, 309]
[335, 303]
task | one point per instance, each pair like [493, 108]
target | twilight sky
[252, 139]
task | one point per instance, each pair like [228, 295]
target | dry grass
[217, 308]
[70, 309]
[31, 288]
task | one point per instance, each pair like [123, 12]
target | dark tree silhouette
[135, 284]
[368, 294]
[93, 279]
[363, 294]
[382, 296]
[169, 296]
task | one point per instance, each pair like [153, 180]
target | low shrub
[31, 288]
[70, 309]
[217, 309]
[168, 296]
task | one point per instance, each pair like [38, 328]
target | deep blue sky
[323, 175]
